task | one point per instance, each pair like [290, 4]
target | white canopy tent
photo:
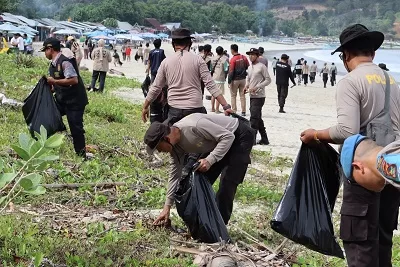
[66, 32]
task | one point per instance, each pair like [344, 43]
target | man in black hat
[69, 90]
[283, 74]
[368, 218]
[183, 73]
[256, 81]
[226, 141]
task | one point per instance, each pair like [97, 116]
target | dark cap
[261, 50]
[383, 66]
[253, 51]
[156, 132]
[284, 56]
[181, 33]
[52, 43]
[356, 32]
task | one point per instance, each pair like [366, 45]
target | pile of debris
[9, 102]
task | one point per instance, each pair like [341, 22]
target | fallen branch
[255, 240]
[281, 246]
[187, 250]
[96, 185]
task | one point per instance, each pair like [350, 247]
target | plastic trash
[40, 108]
[304, 213]
[196, 205]
[146, 85]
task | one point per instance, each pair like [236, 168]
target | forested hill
[319, 17]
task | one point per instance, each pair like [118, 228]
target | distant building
[155, 24]
[172, 25]
[125, 26]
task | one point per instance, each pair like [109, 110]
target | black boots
[281, 110]
[264, 138]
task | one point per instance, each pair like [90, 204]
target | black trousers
[305, 78]
[256, 121]
[283, 91]
[333, 79]
[274, 69]
[101, 76]
[312, 76]
[158, 108]
[176, 114]
[325, 78]
[367, 223]
[75, 122]
[232, 169]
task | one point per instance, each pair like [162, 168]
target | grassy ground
[112, 226]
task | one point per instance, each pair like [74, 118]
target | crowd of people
[221, 144]
[19, 44]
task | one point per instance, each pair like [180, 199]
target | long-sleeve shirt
[258, 78]
[305, 69]
[360, 97]
[283, 74]
[182, 73]
[314, 68]
[200, 133]
[238, 68]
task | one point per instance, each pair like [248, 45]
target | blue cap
[347, 154]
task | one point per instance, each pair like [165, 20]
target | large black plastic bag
[145, 85]
[40, 108]
[304, 214]
[195, 203]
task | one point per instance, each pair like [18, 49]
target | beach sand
[306, 107]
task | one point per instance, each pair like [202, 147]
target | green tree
[110, 23]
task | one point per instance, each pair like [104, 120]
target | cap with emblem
[347, 154]
[51, 43]
[154, 135]
[360, 33]
[253, 51]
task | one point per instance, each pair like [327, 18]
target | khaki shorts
[221, 87]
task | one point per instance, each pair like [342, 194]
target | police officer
[183, 73]
[69, 91]
[368, 218]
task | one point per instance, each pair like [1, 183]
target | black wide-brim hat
[181, 33]
[358, 31]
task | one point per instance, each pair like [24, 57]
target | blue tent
[148, 35]
[95, 33]
[163, 35]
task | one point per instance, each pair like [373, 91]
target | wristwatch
[226, 107]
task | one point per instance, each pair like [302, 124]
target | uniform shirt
[274, 63]
[258, 78]
[68, 69]
[200, 133]
[182, 73]
[263, 60]
[333, 69]
[325, 70]
[101, 59]
[313, 68]
[219, 65]
[360, 97]
[388, 163]
[283, 74]
[140, 51]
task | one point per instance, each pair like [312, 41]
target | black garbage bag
[195, 203]
[304, 214]
[40, 108]
[146, 85]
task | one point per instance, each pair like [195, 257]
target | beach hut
[66, 32]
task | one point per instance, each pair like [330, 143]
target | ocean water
[390, 57]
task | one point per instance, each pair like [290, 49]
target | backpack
[380, 129]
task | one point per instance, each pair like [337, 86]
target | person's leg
[242, 85]
[222, 88]
[95, 76]
[284, 94]
[388, 219]
[261, 127]
[213, 104]
[75, 122]
[359, 226]
[274, 71]
[102, 78]
[234, 91]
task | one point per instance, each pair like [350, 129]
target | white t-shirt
[21, 44]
